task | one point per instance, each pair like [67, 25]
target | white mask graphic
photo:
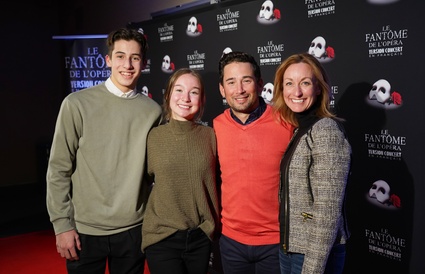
[226, 51]
[266, 10]
[145, 90]
[166, 62]
[380, 190]
[192, 25]
[381, 91]
[318, 47]
[267, 92]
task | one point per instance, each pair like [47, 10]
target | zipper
[286, 199]
[286, 210]
[294, 142]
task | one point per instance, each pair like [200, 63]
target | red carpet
[32, 253]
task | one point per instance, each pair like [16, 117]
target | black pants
[122, 251]
[184, 252]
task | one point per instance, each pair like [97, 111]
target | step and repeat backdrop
[374, 53]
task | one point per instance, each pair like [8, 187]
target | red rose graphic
[395, 200]
[172, 66]
[396, 98]
[330, 52]
[276, 13]
[199, 28]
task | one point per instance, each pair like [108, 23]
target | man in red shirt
[250, 142]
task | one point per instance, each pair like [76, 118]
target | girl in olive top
[182, 210]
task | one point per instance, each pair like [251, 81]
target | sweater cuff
[63, 225]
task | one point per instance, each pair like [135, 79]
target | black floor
[23, 209]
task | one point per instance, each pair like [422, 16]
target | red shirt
[250, 158]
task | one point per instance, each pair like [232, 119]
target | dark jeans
[336, 260]
[122, 251]
[184, 252]
[248, 259]
[292, 263]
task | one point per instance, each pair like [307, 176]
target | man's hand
[66, 244]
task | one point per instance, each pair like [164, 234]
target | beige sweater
[182, 157]
[98, 154]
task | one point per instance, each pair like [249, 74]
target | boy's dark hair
[128, 34]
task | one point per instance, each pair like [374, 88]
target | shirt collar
[253, 115]
[112, 88]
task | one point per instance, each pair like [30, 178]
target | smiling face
[185, 99]
[300, 90]
[240, 89]
[126, 64]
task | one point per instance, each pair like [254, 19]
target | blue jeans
[292, 263]
[336, 260]
[238, 258]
